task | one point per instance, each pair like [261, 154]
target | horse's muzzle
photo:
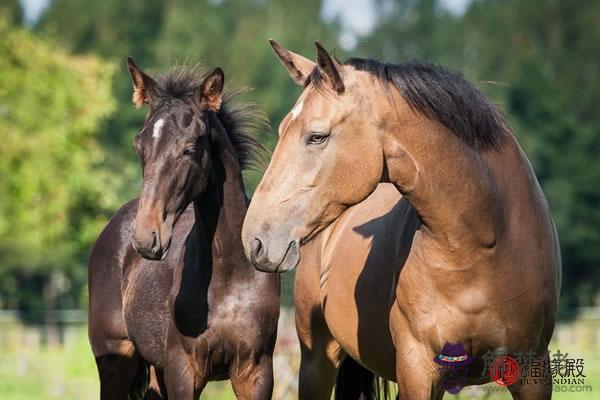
[151, 248]
[259, 256]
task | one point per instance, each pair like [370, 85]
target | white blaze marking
[156, 131]
[297, 109]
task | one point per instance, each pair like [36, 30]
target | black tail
[141, 380]
[355, 382]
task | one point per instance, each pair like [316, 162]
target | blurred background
[67, 124]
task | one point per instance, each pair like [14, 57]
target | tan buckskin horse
[465, 253]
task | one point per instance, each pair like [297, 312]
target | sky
[357, 16]
[360, 16]
[33, 9]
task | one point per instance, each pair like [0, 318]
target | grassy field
[30, 369]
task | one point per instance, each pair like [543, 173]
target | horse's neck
[220, 214]
[450, 184]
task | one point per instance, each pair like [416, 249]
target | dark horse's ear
[330, 68]
[297, 66]
[144, 87]
[210, 93]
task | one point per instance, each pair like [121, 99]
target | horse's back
[362, 254]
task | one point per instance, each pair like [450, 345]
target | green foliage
[113, 29]
[12, 11]
[53, 200]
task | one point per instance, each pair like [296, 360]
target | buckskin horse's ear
[144, 87]
[298, 67]
[330, 67]
[210, 93]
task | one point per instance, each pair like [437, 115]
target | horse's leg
[531, 391]
[119, 364]
[416, 374]
[156, 387]
[180, 379]
[318, 371]
[118, 370]
[320, 355]
[253, 380]
[416, 377]
[524, 390]
[181, 384]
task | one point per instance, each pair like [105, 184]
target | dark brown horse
[459, 252]
[194, 309]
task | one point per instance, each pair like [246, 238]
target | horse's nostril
[155, 243]
[257, 248]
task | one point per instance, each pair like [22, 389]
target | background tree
[53, 200]
[11, 10]
[113, 29]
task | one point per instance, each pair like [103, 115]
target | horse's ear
[210, 93]
[297, 66]
[144, 87]
[330, 68]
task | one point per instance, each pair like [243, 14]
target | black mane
[439, 94]
[242, 121]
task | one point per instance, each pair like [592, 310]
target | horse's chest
[452, 308]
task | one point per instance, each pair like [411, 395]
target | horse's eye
[317, 138]
[189, 152]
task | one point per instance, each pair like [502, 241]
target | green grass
[30, 370]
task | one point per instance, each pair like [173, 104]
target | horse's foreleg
[120, 373]
[253, 380]
[415, 380]
[181, 381]
[318, 371]
[533, 390]
[320, 354]
[417, 375]
[156, 387]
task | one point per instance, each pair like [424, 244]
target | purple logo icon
[453, 360]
